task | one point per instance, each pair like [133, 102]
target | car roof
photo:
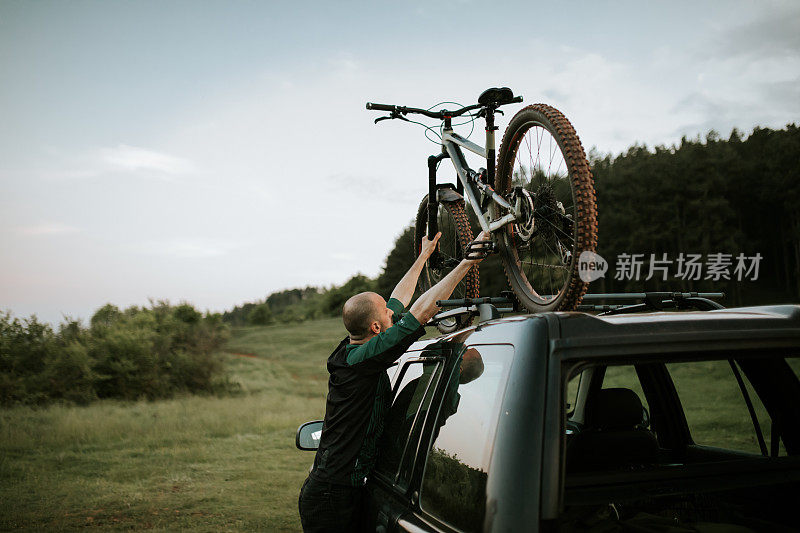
[577, 335]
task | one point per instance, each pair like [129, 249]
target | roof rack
[652, 301]
[491, 307]
[485, 307]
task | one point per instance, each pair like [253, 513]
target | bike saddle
[496, 95]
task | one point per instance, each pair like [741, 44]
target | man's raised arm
[425, 306]
[405, 289]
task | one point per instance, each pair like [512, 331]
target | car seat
[613, 436]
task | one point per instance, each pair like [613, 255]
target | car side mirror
[308, 435]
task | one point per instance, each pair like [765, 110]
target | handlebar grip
[516, 99]
[380, 107]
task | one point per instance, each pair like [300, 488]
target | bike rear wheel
[456, 234]
[542, 167]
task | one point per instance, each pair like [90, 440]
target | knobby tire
[456, 235]
[540, 118]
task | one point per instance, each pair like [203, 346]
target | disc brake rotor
[525, 226]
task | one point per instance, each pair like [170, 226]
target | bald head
[360, 311]
[471, 366]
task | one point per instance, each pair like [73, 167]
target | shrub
[260, 315]
[70, 375]
[137, 353]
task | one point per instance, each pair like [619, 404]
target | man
[359, 392]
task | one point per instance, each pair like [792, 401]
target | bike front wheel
[452, 221]
[542, 169]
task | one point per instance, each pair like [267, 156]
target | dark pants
[329, 507]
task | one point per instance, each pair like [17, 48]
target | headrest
[614, 409]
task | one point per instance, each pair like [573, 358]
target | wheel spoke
[559, 230]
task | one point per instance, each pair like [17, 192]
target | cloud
[122, 159]
[742, 76]
[787, 92]
[369, 187]
[775, 34]
[134, 159]
[47, 228]
[186, 249]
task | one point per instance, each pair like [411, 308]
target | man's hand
[405, 288]
[484, 236]
[429, 246]
[425, 306]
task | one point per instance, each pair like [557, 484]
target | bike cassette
[479, 250]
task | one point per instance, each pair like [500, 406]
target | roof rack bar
[658, 301]
[589, 307]
[505, 299]
[645, 295]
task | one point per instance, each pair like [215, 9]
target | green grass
[197, 463]
[200, 463]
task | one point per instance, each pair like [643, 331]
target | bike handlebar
[403, 110]
[441, 114]
[380, 107]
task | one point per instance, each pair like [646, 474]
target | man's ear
[375, 328]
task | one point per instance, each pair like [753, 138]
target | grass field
[199, 463]
[214, 464]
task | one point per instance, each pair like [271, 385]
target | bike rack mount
[492, 307]
[485, 307]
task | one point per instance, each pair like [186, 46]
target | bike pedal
[479, 250]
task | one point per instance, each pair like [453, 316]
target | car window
[618, 474]
[715, 407]
[625, 377]
[764, 420]
[412, 397]
[454, 480]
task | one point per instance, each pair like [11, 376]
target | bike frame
[473, 185]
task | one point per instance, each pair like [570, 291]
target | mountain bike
[538, 202]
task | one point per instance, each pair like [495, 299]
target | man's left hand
[429, 246]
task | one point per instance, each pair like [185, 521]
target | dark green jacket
[359, 395]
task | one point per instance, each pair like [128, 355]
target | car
[569, 421]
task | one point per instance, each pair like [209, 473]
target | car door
[440, 482]
[416, 384]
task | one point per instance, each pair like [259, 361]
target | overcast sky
[215, 152]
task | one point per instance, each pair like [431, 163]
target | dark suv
[684, 421]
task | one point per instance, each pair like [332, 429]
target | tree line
[734, 196]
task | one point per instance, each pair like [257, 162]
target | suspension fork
[433, 200]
